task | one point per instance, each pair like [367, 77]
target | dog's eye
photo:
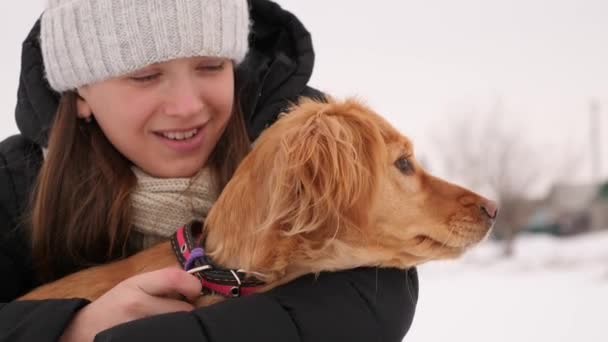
[404, 165]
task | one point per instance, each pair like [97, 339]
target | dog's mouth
[430, 243]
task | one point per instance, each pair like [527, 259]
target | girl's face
[167, 117]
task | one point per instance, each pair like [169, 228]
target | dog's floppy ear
[326, 169]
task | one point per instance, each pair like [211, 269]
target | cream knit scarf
[161, 205]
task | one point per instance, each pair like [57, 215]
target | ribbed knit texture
[161, 205]
[85, 41]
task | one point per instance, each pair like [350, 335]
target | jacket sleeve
[23, 321]
[42, 321]
[10, 244]
[365, 304]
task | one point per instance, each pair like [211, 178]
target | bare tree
[489, 156]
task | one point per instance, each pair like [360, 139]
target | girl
[133, 116]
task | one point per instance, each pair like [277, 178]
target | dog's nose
[490, 208]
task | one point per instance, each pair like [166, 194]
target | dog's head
[335, 186]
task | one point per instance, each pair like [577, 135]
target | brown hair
[80, 211]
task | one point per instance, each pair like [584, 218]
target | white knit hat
[85, 41]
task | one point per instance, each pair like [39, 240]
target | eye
[216, 66]
[404, 165]
[146, 78]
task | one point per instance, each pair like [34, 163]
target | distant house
[599, 209]
[572, 198]
[604, 191]
[599, 214]
[571, 209]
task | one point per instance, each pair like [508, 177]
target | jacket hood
[274, 74]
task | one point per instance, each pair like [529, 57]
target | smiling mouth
[179, 135]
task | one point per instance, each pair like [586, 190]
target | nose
[184, 98]
[490, 208]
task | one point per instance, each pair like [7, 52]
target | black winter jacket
[358, 305]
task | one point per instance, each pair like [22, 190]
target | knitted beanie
[85, 41]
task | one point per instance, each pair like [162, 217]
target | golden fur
[320, 191]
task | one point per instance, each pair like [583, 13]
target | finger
[167, 282]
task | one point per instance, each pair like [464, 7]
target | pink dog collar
[215, 280]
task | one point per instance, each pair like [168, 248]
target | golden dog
[329, 186]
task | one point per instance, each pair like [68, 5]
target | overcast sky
[423, 63]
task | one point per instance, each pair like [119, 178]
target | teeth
[190, 134]
[180, 135]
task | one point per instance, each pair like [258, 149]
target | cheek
[124, 123]
[219, 101]
[221, 97]
[403, 188]
[124, 119]
[122, 108]
[403, 205]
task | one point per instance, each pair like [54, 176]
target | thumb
[168, 282]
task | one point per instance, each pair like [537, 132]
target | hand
[141, 296]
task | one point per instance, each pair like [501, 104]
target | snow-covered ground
[551, 290]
